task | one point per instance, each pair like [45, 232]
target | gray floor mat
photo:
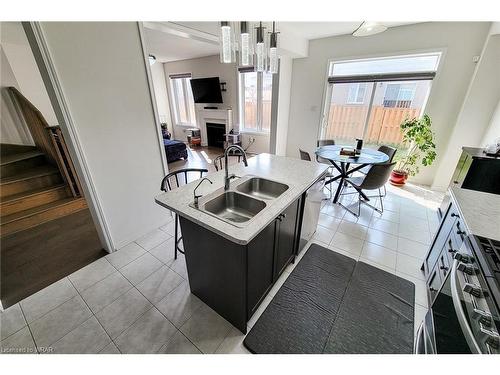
[298, 320]
[333, 304]
[376, 316]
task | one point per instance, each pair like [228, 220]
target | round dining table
[342, 163]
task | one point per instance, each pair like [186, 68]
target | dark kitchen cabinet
[233, 278]
[260, 266]
[269, 253]
[285, 238]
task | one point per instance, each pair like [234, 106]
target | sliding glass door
[369, 99]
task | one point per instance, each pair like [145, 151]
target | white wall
[285, 85]
[211, 67]
[476, 112]
[461, 41]
[493, 131]
[161, 95]
[102, 72]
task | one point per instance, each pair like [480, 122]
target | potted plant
[419, 138]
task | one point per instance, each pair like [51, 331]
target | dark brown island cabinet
[233, 278]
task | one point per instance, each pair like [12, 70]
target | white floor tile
[60, 321]
[11, 321]
[412, 248]
[233, 343]
[353, 229]
[153, 239]
[348, 243]
[48, 298]
[147, 335]
[382, 239]
[125, 255]
[91, 274]
[20, 342]
[379, 254]
[419, 235]
[334, 210]
[413, 223]
[179, 344]
[159, 284]
[179, 266]
[101, 294]
[141, 268]
[323, 234]
[206, 329]
[329, 222]
[410, 266]
[179, 305]
[378, 265]
[88, 338]
[164, 251]
[120, 315]
[384, 226]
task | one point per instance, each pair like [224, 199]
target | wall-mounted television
[206, 90]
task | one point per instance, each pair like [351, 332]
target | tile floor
[137, 300]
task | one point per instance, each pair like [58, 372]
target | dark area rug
[332, 304]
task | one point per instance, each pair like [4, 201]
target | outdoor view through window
[369, 99]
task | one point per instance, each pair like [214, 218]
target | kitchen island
[233, 264]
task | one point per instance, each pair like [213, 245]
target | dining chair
[304, 155]
[167, 184]
[375, 179]
[219, 160]
[389, 151]
[321, 143]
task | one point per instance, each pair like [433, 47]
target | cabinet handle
[444, 268]
[453, 251]
[454, 215]
[461, 232]
[432, 289]
[284, 215]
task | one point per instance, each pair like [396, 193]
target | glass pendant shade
[245, 44]
[260, 49]
[273, 51]
[227, 52]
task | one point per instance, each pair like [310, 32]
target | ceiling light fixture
[369, 28]
[227, 47]
[273, 50]
[245, 44]
[260, 49]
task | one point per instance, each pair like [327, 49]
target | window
[182, 98]
[255, 98]
[356, 93]
[386, 91]
[399, 95]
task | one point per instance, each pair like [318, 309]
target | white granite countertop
[296, 173]
[479, 211]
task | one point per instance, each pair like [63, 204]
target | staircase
[32, 190]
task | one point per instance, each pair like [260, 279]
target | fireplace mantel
[218, 116]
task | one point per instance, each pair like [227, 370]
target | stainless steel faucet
[196, 197]
[227, 178]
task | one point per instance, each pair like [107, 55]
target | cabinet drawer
[433, 284]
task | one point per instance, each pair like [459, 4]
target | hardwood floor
[198, 157]
[35, 258]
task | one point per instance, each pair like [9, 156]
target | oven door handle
[457, 303]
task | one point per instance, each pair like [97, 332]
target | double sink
[245, 199]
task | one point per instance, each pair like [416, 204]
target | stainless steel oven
[464, 316]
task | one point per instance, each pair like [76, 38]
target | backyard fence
[347, 122]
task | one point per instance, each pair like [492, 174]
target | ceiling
[168, 47]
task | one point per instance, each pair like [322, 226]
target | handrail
[49, 140]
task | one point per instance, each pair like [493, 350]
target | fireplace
[215, 134]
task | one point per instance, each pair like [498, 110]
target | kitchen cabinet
[269, 254]
[445, 244]
[232, 278]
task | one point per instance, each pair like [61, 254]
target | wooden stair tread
[12, 158]
[9, 149]
[36, 210]
[40, 171]
[30, 193]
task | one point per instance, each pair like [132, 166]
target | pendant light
[260, 49]
[273, 51]
[227, 51]
[245, 50]
[369, 28]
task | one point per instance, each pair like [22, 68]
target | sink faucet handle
[196, 196]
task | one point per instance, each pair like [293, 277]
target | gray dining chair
[321, 143]
[304, 155]
[389, 151]
[375, 179]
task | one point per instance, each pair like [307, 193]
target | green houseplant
[419, 138]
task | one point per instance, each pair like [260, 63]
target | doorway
[47, 231]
